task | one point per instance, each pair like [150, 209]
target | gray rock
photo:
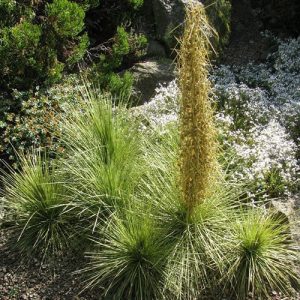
[148, 75]
[169, 15]
[156, 49]
[288, 209]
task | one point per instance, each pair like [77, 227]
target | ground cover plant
[257, 118]
[158, 212]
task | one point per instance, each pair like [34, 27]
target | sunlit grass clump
[128, 262]
[36, 196]
[261, 257]
[103, 160]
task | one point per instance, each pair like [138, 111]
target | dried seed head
[198, 157]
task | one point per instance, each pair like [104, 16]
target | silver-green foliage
[37, 198]
[103, 160]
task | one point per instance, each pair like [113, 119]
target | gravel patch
[20, 280]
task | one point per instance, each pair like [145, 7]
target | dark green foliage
[127, 47]
[19, 49]
[120, 84]
[66, 18]
[7, 8]
[136, 3]
[38, 41]
[219, 14]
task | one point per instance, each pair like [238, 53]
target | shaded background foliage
[41, 41]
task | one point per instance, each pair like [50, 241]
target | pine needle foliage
[198, 149]
[36, 196]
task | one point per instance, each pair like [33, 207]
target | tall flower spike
[198, 152]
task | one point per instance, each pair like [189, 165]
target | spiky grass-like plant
[262, 257]
[195, 241]
[191, 209]
[198, 149]
[128, 262]
[36, 196]
[103, 156]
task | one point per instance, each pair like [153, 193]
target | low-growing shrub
[126, 48]
[38, 44]
[34, 119]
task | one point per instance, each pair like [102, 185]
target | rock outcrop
[149, 74]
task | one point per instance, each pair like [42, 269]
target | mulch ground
[20, 279]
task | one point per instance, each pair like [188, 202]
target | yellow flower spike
[198, 155]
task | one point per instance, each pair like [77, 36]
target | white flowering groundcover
[258, 117]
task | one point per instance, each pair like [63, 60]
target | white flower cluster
[258, 114]
[162, 109]
[268, 147]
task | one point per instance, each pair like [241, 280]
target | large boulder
[148, 75]
[169, 16]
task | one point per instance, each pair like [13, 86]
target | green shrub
[127, 48]
[36, 45]
[120, 84]
[19, 49]
[121, 46]
[136, 3]
[34, 119]
[66, 18]
[7, 9]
